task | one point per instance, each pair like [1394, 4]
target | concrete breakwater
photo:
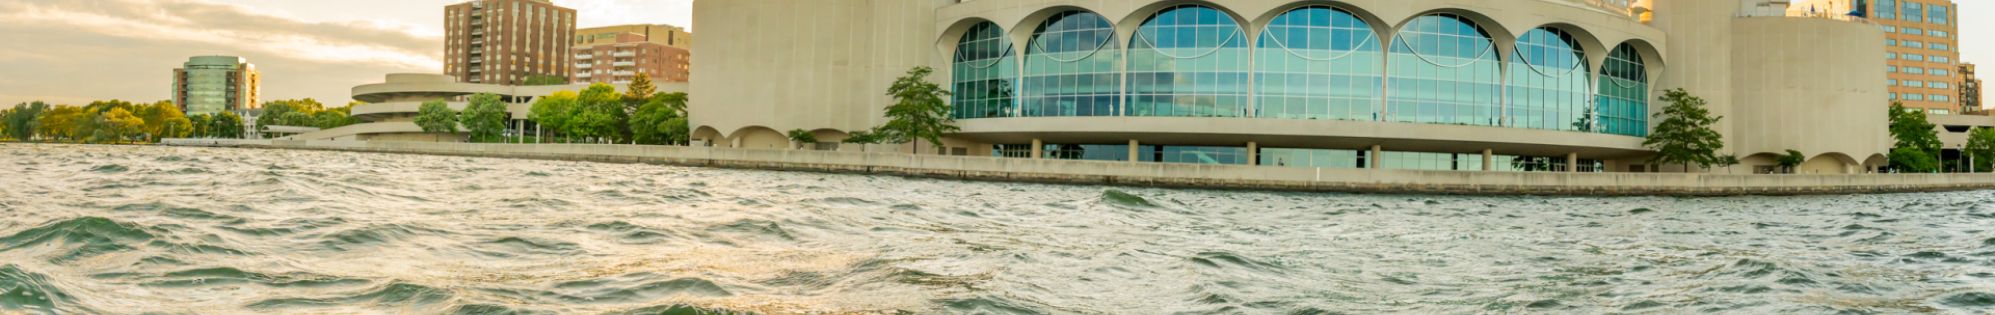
[1169, 175]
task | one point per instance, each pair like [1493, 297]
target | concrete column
[1038, 149]
[1373, 159]
[1488, 160]
[1253, 153]
[1134, 150]
[1572, 162]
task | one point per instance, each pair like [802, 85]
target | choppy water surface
[94, 229]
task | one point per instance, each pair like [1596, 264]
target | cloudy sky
[74, 51]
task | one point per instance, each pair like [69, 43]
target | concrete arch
[830, 135]
[710, 135]
[1500, 35]
[1380, 27]
[1830, 163]
[759, 137]
[1142, 14]
[1022, 32]
[1652, 60]
[1589, 44]
[1876, 162]
[946, 44]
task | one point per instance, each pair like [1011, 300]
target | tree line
[597, 114]
[112, 121]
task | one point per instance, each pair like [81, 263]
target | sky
[75, 51]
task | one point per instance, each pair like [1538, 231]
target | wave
[83, 237]
[374, 235]
[395, 295]
[636, 288]
[21, 290]
[1119, 198]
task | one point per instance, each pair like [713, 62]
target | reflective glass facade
[1319, 62]
[1072, 67]
[1444, 70]
[1624, 93]
[984, 70]
[1550, 87]
[1188, 61]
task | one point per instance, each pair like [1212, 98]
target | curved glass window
[1549, 83]
[1071, 67]
[1624, 93]
[1444, 70]
[1188, 61]
[1319, 62]
[984, 74]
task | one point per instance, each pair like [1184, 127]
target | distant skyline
[76, 51]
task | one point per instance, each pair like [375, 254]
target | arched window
[1071, 67]
[1550, 87]
[1624, 93]
[1319, 62]
[984, 74]
[1188, 61]
[1444, 70]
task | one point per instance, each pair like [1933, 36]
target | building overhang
[1298, 133]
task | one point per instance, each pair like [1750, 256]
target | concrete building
[392, 105]
[617, 54]
[1970, 90]
[507, 41]
[1527, 85]
[213, 84]
[1922, 48]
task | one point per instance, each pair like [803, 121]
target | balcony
[585, 66]
[584, 75]
[477, 60]
[624, 54]
[478, 42]
[624, 73]
[621, 64]
[585, 57]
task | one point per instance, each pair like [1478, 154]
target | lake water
[129, 229]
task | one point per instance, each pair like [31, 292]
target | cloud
[77, 50]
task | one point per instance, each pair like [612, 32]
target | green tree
[679, 131]
[1981, 148]
[648, 125]
[1684, 137]
[862, 137]
[552, 112]
[226, 125]
[1912, 160]
[1790, 161]
[1911, 131]
[598, 115]
[542, 79]
[199, 125]
[116, 125]
[485, 118]
[919, 111]
[163, 119]
[59, 123]
[20, 120]
[638, 92]
[803, 137]
[436, 117]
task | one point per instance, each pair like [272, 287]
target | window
[1915, 44]
[1444, 70]
[1940, 34]
[1890, 69]
[1942, 59]
[1071, 67]
[1940, 98]
[1913, 12]
[1940, 72]
[1915, 97]
[1910, 70]
[1889, 29]
[1548, 87]
[1624, 94]
[1913, 57]
[1890, 42]
[1891, 82]
[1941, 47]
[1937, 14]
[1890, 55]
[1887, 9]
[984, 75]
[1188, 61]
[1940, 85]
[1912, 31]
[1319, 62]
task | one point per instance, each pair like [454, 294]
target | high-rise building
[507, 41]
[1921, 52]
[616, 54]
[1970, 89]
[213, 84]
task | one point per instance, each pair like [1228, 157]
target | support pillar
[1572, 162]
[1253, 153]
[1488, 160]
[1135, 148]
[1038, 149]
[1373, 160]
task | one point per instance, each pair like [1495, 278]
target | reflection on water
[89, 229]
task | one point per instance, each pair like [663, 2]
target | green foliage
[1684, 136]
[20, 120]
[485, 118]
[552, 112]
[654, 123]
[638, 92]
[60, 123]
[115, 125]
[804, 137]
[1981, 148]
[598, 114]
[226, 125]
[919, 111]
[199, 125]
[542, 79]
[1791, 160]
[436, 117]
[679, 130]
[1913, 160]
[862, 137]
[1911, 131]
[298, 113]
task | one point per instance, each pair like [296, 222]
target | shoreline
[1191, 176]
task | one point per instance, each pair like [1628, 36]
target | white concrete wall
[1811, 85]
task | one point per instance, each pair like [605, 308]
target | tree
[116, 125]
[1981, 148]
[678, 131]
[918, 112]
[598, 114]
[648, 125]
[552, 112]
[639, 92]
[1911, 131]
[200, 125]
[20, 121]
[163, 119]
[279, 113]
[226, 125]
[1685, 137]
[485, 118]
[1912, 160]
[542, 79]
[803, 137]
[862, 137]
[1790, 161]
[436, 117]
[60, 123]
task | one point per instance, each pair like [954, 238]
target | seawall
[1169, 175]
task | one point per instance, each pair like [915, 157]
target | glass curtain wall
[1624, 93]
[1319, 62]
[983, 74]
[1071, 67]
[1444, 70]
[1188, 61]
[1549, 83]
